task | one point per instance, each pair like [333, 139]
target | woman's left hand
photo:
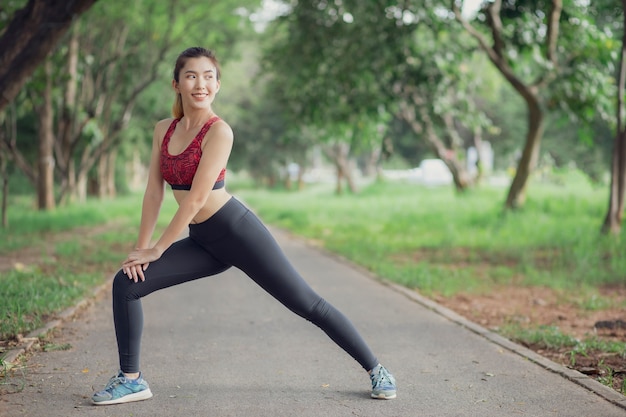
[137, 261]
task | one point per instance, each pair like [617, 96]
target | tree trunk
[69, 126]
[495, 50]
[10, 144]
[5, 190]
[425, 127]
[80, 191]
[106, 176]
[301, 178]
[112, 190]
[98, 97]
[613, 219]
[29, 37]
[517, 192]
[372, 162]
[99, 184]
[4, 176]
[480, 154]
[338, 154]
[45, 174]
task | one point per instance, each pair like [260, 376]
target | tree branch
[10, 143]
[553, 31]
[29, 37]
[495, 23]
[496, 57]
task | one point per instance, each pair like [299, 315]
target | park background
[472, 151]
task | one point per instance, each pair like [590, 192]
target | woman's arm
[155, 191]
[152, 201]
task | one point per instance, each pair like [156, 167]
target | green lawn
[437, 241]
[70, 251]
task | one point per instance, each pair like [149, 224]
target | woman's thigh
[182, 262]
[251, 248]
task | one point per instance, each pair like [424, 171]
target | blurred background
[437, 92]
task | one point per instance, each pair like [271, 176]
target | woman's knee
[318, 311]
[122, 286]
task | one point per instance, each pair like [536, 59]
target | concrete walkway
[222, 347]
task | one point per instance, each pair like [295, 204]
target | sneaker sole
[138, 396]
[382, 396]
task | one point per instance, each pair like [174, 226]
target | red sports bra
[179, 170]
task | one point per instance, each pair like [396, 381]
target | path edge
[579, 378]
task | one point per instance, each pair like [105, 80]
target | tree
[613, 219]
[553, 56]
[99, 76]
[29, 37]
[348, 62]
[26, 41]
[435, 91]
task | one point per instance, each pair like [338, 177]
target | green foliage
[594, 302]
[29, 227]
[550, 337]
[582, 83]
[124, 51]
[264, 140]
[339, 63]
[25, 221]
[332, 71]
[544, 336]
[329, 62]
[66, 265]
[30, 295]
[8, 9]
[418, 236]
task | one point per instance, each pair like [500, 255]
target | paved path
[222, 347]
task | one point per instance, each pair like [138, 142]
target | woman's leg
[249, 246]
[184, 261]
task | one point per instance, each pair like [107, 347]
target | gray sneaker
[383, 384]
[122, 390]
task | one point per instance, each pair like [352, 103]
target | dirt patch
[531, 307]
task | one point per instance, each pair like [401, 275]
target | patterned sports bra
[178, 170]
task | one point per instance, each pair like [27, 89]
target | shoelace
[381, 378]
[115, 381]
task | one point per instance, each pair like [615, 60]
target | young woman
[190, 152]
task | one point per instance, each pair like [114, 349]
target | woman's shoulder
[161, 127]
[221, 128]
[164, 123]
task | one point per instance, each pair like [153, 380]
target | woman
[190, 152]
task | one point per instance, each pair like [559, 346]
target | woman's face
[197, 83]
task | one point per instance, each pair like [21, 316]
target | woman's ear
[175, 86]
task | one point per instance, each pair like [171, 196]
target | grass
[546, 337]
[71, 257]
[440, 243]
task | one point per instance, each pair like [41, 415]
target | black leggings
[233, 236]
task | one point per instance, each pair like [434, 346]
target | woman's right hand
[138, 261]
[135, 272]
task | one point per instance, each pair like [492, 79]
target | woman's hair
[193, 52]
